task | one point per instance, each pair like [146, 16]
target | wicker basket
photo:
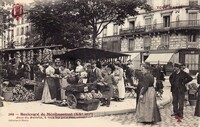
[7, 95]
[90, 105]
[193, 102]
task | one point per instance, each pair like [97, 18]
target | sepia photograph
[100, 63]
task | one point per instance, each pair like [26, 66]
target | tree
[56, 24]
[97, 14]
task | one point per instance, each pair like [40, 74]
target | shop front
[191, 57]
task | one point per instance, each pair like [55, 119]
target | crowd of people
[108, 77]
[111, 80]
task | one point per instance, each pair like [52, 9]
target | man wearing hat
[178, 80]
[56, 78]
[94, 75]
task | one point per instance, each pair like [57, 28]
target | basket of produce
[89, 105]
[21, 94]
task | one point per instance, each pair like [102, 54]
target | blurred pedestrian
[178, 80]
[197, 108]
[147, 110]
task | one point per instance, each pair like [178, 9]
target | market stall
[91, 53]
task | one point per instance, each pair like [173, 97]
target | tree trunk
[94, 35]
[93, 41]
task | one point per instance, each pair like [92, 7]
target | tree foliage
[70, 22]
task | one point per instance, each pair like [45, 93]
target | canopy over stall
[156, 58]
[89, 53]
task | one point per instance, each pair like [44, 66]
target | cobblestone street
[189, 119]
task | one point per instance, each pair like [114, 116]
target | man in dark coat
[94, 75]
[178, 80]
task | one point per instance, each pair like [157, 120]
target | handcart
[73, 93]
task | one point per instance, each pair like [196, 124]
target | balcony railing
[184, 24]
[193, 3]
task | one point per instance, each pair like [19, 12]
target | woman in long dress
[119, 73]
[147, 110]
[49, 92]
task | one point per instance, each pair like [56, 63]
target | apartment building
[18, 33]
[169, 33]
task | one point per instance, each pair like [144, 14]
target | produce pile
[21, 94]
[91, 95]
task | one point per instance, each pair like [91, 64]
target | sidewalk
[127, 106]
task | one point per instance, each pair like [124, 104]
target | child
[107, 88]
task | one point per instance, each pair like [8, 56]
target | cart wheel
[72, 101]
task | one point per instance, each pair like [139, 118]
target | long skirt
[121, 88]
[147, 109]
[197, 108]
[49, 91]
[58, 90]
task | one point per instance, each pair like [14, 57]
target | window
[131, 45]
[192, 60]
[22, 30]
[27, 29]
[115, 29]
[132, 24]
[147, 43]
[18, 42]
[105, 32]
[165, 40]
[192, 38]
[193, 2]
[21, 40]
[105, 45]
[22, 20]
[116, 46]
[12, 33]
[17, 32]
[166, 21]
[148, 23]
[193, 19]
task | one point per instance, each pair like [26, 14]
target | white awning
[162, 58]
[132, 55]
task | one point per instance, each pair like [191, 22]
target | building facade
[16, 34]
[167, 34]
